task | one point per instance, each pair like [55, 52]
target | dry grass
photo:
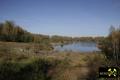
[78, 66]
[66, 65]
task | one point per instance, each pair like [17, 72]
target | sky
[63, 17]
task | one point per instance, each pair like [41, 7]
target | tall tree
[111, 45]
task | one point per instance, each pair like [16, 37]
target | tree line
[9, 31]
[14, 33]
[110, 46]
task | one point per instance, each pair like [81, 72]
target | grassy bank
[18, 64]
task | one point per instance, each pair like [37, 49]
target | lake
[78, 47]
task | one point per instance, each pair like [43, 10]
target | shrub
[35, 70]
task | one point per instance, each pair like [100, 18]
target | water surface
[78, 47]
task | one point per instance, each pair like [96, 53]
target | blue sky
[63, 17]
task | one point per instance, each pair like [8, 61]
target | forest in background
[11, 32]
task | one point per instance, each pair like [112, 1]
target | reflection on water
[78, 47]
